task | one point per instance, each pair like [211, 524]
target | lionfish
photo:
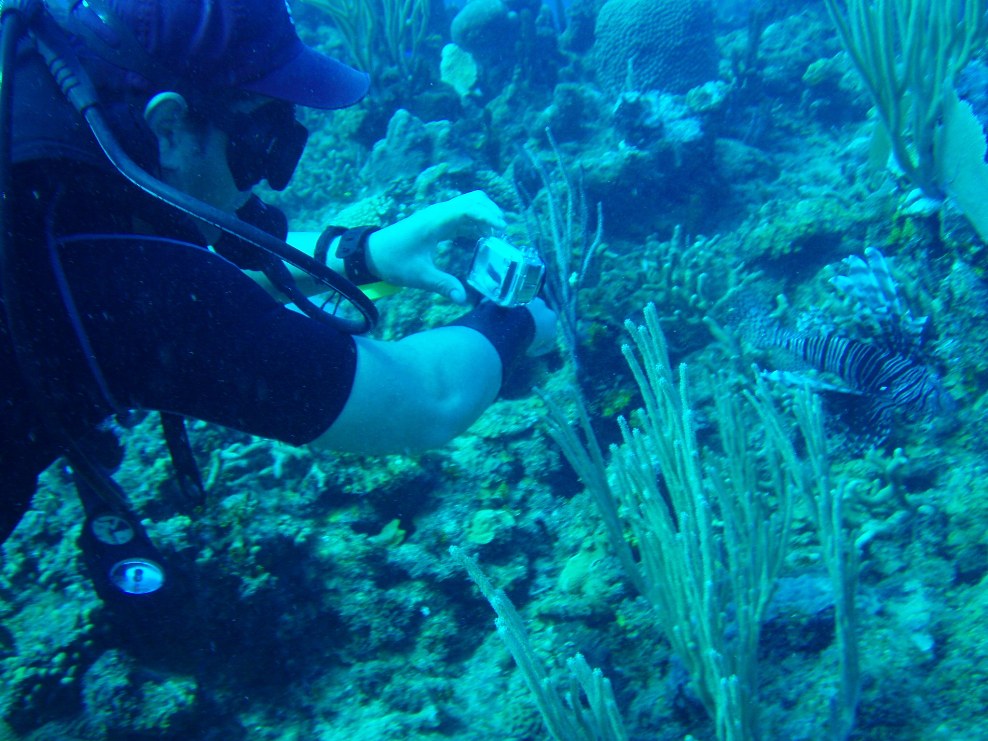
[887, 377]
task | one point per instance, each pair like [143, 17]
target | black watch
[353, 251]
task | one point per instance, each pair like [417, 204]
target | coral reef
[655, 45]
[733, 167]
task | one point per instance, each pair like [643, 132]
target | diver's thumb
[449, 286]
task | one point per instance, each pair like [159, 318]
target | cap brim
[313, 80]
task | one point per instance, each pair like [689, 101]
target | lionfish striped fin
[871, 289]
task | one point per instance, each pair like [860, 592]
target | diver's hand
[402, 254]
[545, 328]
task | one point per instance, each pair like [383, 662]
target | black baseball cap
[246, 45]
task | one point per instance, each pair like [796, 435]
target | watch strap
[352, 250]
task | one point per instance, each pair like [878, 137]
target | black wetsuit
[169, 324]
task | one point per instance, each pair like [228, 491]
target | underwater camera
[506, 274]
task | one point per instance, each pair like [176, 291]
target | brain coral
[668, 43]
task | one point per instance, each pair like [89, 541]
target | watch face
[112, 530]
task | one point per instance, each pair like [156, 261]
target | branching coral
[380, 32]
[908, 55]
[357, 24]
[687, 279]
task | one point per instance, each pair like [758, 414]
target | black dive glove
[510, 331]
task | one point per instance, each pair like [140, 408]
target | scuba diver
[133, 132]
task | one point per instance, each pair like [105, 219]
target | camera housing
[506, 274]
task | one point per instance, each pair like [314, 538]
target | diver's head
[217, 151]
[249, 46]
[237, 64]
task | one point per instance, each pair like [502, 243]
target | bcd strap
[186, 470]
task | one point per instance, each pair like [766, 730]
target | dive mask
[263, 144]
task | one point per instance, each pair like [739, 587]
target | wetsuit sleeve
[177, 328]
